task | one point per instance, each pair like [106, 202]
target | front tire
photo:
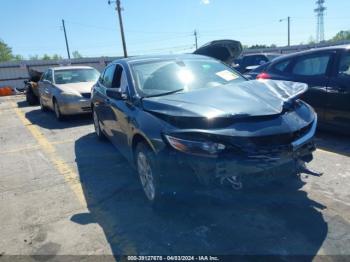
[42, 106]
[30, 97]
[148, 172]
[57, 110]
[97, 126]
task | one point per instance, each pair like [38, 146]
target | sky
[33, 27]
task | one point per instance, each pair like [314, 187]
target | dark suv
[248, 62]
[327, 72]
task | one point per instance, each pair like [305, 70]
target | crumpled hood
[243, 99]
[81, 87]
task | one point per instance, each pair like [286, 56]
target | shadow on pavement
[278, 220]
[48, 120]
[332, 142]
[22, 104]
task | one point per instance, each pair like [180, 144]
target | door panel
[103, 105]
[338, 100]
[120, 111]
[314, 69]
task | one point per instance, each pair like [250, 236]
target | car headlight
[70, 95]
[200, 148]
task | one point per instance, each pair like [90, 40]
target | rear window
[281, 66]
[312, 66]
[260, 68]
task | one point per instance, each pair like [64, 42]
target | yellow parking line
[70, 176]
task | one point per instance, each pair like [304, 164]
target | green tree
[258, 46]
[76, 54]
[56, 57]
[33, 57]
[18, 57]
[46, 57]
[341, 36]
[5, 52]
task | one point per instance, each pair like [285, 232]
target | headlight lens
[200, 148]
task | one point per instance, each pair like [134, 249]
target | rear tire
[30, 97]
[149, 174]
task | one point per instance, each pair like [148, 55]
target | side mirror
[115, 94]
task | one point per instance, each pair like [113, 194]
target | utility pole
[65, 36]
[196, 38]
[288, 20]
[119, 11]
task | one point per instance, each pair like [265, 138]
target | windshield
[76, 75]
[166, 76]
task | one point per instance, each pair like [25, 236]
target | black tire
[98, 130]
[57, 111]
[30, 97]
[42, 106]
[153, 192]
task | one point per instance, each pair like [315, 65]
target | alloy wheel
[96, 124]
[146, 175]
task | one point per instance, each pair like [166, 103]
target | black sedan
[327, 73]
[190, 118]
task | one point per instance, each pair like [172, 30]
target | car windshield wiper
[166, 93]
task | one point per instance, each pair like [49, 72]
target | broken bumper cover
[276, 161]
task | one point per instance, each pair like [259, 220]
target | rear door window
[282, 66]
[344, 65]
[314, 65]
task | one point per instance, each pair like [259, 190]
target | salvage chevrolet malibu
[191, 118]
[67, 90]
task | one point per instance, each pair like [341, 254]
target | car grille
[280, 139]
[265, 145]
[86, 95]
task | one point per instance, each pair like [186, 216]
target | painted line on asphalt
[70, 176]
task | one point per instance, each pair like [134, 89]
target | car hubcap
[96, 123]
[146, 176]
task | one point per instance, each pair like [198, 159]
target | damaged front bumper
[255, 165]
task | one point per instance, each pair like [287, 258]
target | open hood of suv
[224, 50]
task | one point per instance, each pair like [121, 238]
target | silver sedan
[67, 90]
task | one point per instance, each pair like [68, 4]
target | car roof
[58, 68]
[136, 59]
[253, 54]
[310, 51]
